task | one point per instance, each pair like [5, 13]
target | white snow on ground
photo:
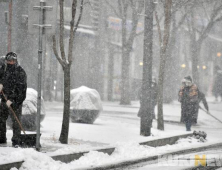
[116, 124]
[124, 151]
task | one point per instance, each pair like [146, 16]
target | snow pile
[29, 111]
[84, 98]
[185, 141]
[35, 160]
[30, 104]
[130, 151]
[85, 104]
[123, 152]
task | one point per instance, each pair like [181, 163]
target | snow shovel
[210, 114]
[25, 140]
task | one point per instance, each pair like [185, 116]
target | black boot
[3, 141]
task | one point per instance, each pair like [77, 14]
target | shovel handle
[210, 114]
[10, 108]
[214, 117]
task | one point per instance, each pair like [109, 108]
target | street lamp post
[41, 27]
[10, 27]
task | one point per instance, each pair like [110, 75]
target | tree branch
[135, 19]
[120, 8]
[210, 24]
[80, 16]
[114, 10]
[56, 53]
[62, 30]
[71, 33]
[181, 21]
[159, 30]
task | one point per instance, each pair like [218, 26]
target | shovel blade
[28, 140]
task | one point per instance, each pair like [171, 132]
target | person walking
[13, 86]
[188, 97]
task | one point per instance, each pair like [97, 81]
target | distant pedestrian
[13, 85]
[188, 96]
[217, 87]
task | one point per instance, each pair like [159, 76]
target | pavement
[172, 113]
[122, 113]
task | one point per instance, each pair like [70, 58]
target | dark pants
[189, 114]
[4, 112]
[188, 124]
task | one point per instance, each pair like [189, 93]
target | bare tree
[66, 62]
[178, 19]
[167, 45]
[124, 8]
[164, 45]
[127, 43]
[199, 33]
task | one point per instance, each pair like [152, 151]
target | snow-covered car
[29, 111]
[85, 105]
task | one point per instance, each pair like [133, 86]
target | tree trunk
[66, 112]
[170, 78]
[110, 74]
[125, 85]
[195, 61]
[146, 101]
[167, 11]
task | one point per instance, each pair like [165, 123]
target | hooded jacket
[14, 81]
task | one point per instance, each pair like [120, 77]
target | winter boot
[3, 140]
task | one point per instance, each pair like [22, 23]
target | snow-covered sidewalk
[116, 124]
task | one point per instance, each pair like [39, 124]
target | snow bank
[124, 151]
[30, 104]
[84, 98]
[85, 105]
[130, 151]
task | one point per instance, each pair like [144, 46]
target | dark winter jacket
[14, 81]
[188, 96]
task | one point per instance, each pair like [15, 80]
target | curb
[8, 166]
[154, 143]
[71, 157]
[154, 159]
